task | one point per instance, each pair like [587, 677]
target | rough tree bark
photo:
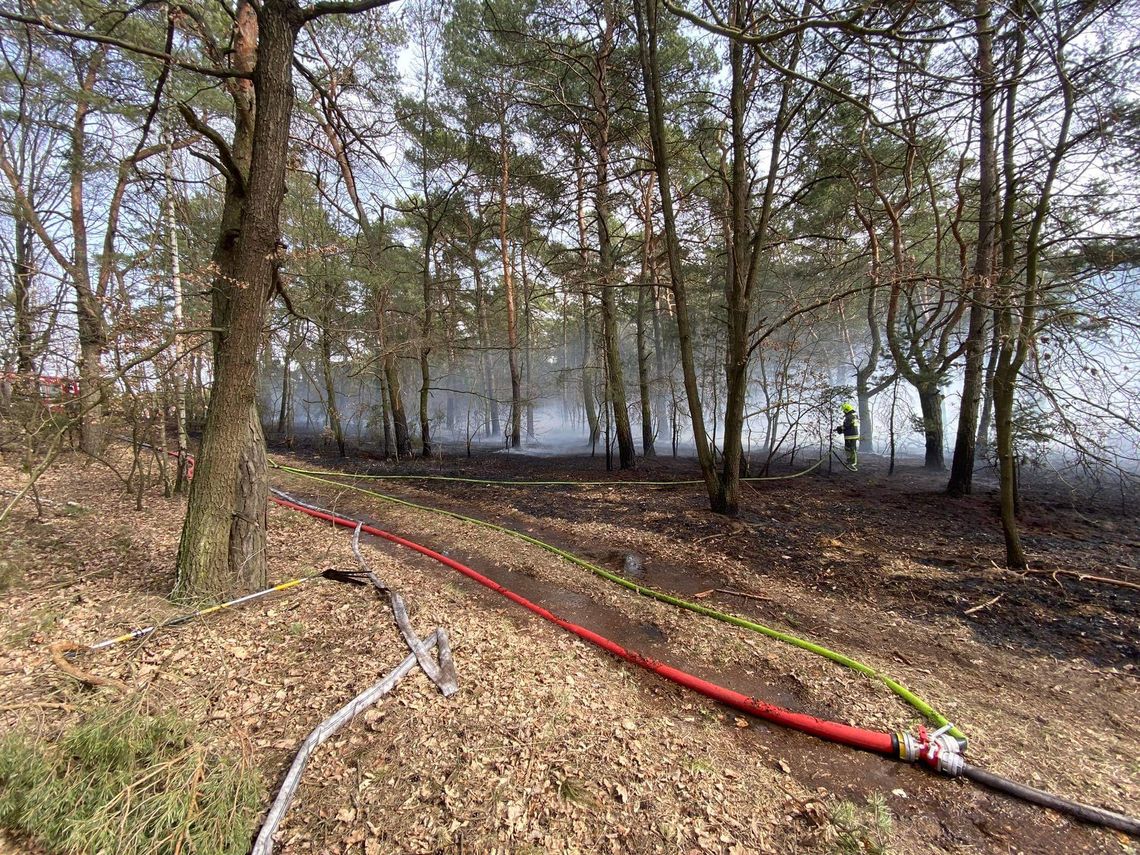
[90, 324]
[588, 380]
[509, 285]
[223, 538]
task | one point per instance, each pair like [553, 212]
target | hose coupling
[938, 750]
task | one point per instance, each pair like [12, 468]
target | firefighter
[850, 431]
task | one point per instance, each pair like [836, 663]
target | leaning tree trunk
[647, 31]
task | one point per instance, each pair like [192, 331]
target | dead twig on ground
[1076, 574]
[744, 594]
[984, 605]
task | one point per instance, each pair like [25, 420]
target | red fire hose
[856, 737]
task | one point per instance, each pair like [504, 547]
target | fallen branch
[264, 843]
[58, 648]
[743, 594]
[1078, 575]
[984, 605]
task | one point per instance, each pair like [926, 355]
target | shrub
[127, 783]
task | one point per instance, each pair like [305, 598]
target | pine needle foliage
[129, 783]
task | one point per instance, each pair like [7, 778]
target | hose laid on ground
[935, 751]
[1087, 813]
[335, 575]
[844, 463]
[902, 691]
[856, 737]
[491, 482]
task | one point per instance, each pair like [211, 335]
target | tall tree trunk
[222, 549]
[644, 290]
[509, 286]
[986, 419]
[745, 250]
[284, 425]
[647, 433]
[528, 388]
[90, 323]
[1016, 317]
[588, 381]
[491, 420]
[396, 403]
[864, 372]
[331, 408]
[385, 414]
[661, 381]
[647, 30]
[22, 281]
[1004, 389]
[425, 340]
[614, 375]
[962, 468]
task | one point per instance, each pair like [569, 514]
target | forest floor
[552, 745]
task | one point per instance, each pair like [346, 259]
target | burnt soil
[1040, 669]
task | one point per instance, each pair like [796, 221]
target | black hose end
[1083, 812]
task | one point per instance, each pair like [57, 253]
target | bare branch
[341, 8]
[228, 166]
